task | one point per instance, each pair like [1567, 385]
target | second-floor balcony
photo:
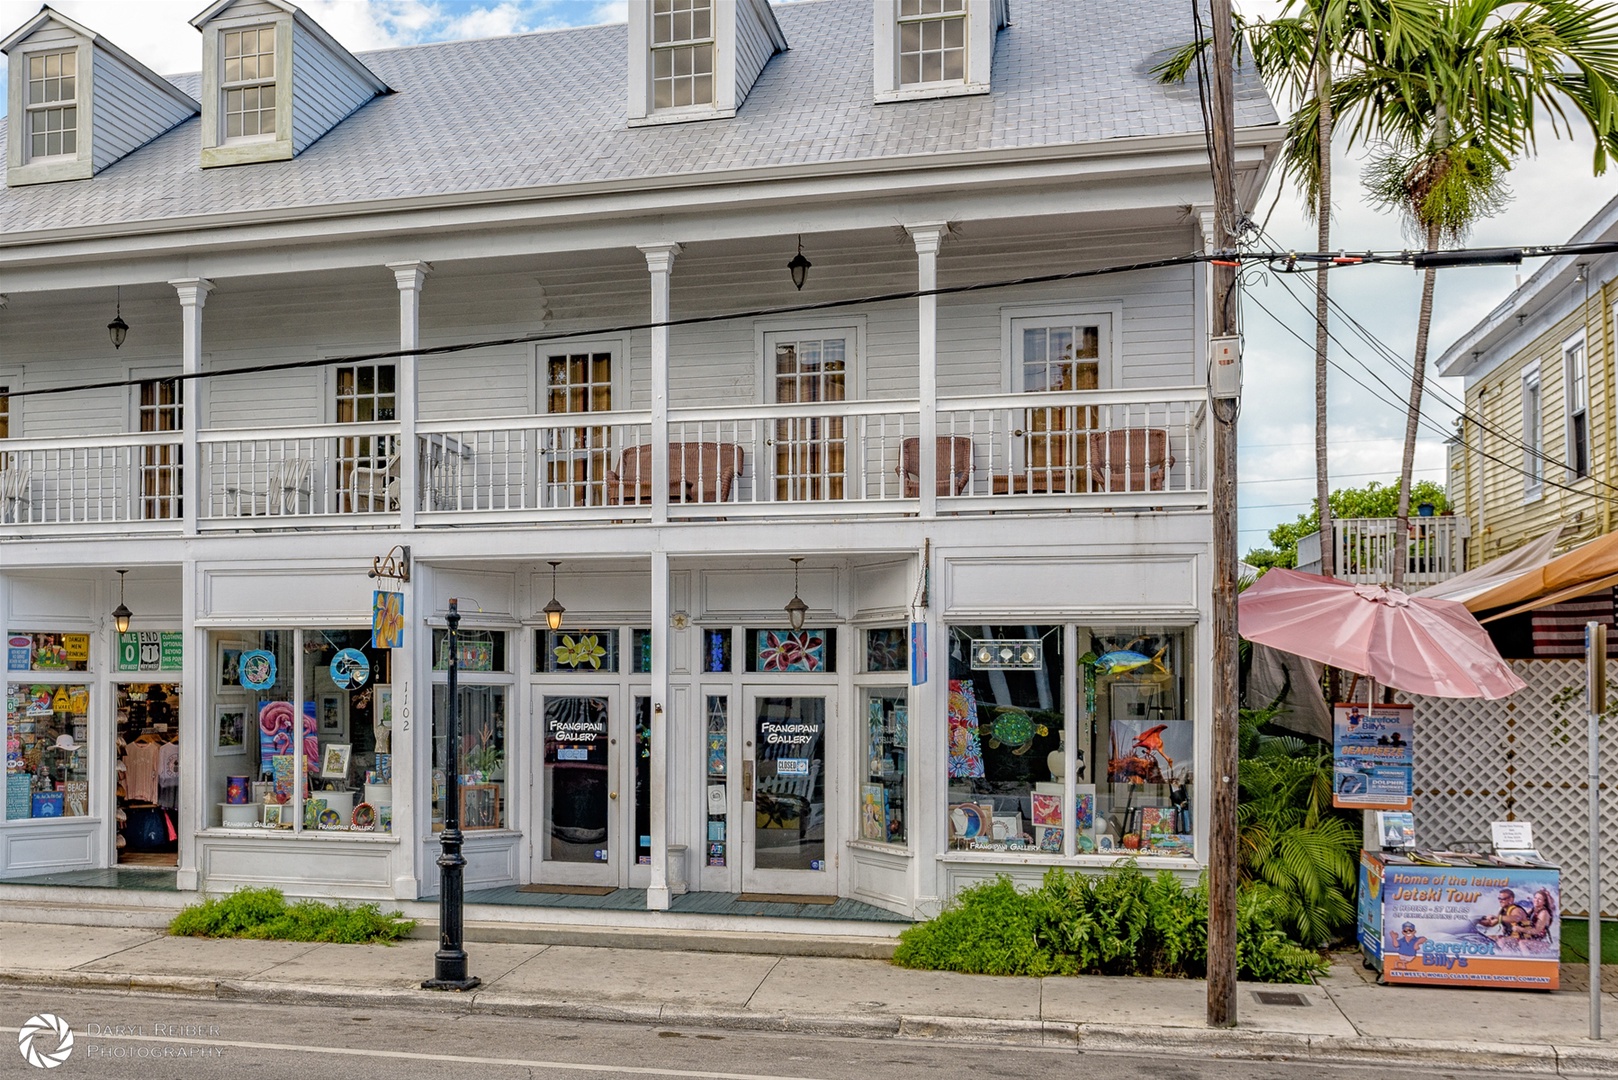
[1077, 450]
[1365, 549]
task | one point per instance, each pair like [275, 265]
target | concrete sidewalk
[1344, 1018]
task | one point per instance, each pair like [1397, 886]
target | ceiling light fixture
[796, 608]
[799, 266]
[118, 329]
[554, 610]
[121, 614]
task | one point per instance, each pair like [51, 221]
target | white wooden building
[268, 226]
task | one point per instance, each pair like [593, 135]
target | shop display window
[482, 760]
[887, 649]
[481, 650]
[640, 642]
[792, 652]
[1142, 738]
[576, 650]
[47, 759]
[47, 652]
[882, 811]
[316, 752]
[1007, 791]
[717, 757]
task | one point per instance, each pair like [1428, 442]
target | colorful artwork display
[1373, 762]
[873, 812]
[965, 746]
[387, 620]
[887, 649]
[792, 650]
[47, 652]
[582, 650]
[256, 669]
[275, 735]
[350, 669]
[1143, 752]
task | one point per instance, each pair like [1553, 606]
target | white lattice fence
[1482, 761]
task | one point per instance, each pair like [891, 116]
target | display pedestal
[1450, 909]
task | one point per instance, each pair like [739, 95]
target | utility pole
[1225, 389]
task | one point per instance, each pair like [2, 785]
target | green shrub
[265, 914]
[1118, 923]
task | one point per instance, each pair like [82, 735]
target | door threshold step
[570, 890]
[785, 898]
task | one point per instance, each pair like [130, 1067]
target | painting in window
[577, 650]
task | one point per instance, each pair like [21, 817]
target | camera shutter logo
[31, 1034]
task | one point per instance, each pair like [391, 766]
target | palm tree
[1453, 118]
[1299, 53]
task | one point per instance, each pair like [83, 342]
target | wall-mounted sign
[256, 669]
[350, 670]
[151, 650]
[1003, 654]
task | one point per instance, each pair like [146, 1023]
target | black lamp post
[449, 962]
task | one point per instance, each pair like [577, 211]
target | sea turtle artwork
[1014, 728]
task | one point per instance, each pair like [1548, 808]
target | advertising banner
[1372, 757]
[1481, 926]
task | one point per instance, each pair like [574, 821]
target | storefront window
[715, 651]
[481, 650]
[1143, 742]
[589, 651]
[887, 649]
[313, 755]
[718, 758]
[1006, 726]
[482, 762]
[641, 645]
[792, 652]
[47, 760]
[887, 742]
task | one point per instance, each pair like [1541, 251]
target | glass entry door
[594, 776]
[785, 826]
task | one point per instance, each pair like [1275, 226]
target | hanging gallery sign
[387, 620]
[1373, 763]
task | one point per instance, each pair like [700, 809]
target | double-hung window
[52, 104]
[247, 81]
[682, 53]
[932, 41]
[1575, 369]
[1533, 435]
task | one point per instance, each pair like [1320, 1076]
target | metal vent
[1280, 997]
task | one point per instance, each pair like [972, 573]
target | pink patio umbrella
[1411, 643]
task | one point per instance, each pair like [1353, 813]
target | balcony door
[367, 465]
[809, 446]
[160, 406]
[1053, 355]
[577, 458]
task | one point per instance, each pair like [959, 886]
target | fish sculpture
[1123, 661]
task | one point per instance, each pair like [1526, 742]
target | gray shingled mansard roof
[549, 108]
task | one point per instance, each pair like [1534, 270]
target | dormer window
[932, 41]
[248, 82]
[934, 48]
[53, 98]
[682, 53]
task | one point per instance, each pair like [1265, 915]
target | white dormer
[76, 102]
[696, 59]
[934, 48]
[272, 82]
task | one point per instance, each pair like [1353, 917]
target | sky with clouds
[1554, 194]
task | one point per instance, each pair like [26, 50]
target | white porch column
[409, 277]
[660, 261]
[928, 238]
[193, 295]
[657, 892]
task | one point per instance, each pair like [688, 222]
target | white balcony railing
[1364, 550]
[1085, 449]
[94, 480]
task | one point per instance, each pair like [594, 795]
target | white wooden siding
[324, 89]
[128, 110]
[753, 49]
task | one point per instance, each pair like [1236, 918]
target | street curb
[1238, 1044]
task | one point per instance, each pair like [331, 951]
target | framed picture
[334, 761]
[230, 729]
[333, 715]
[480, 806]
[272, 815]
[230, 661]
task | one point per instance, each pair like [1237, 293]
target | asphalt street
[139, 1035]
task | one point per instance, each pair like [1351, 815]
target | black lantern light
[121, 614]
[796, 608]
[554, 610]
[118, 329]
[799, 267]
